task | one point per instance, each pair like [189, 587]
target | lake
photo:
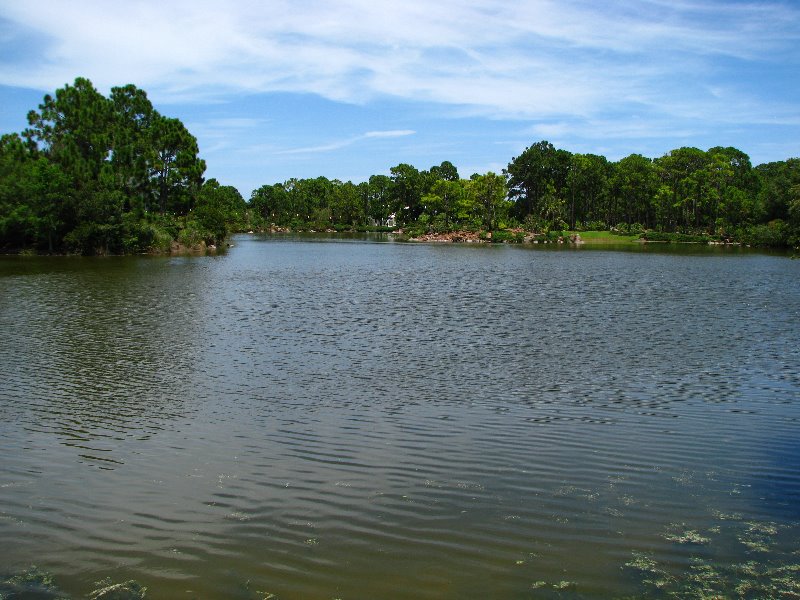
[324, 417]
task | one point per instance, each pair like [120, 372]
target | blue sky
[349, 88]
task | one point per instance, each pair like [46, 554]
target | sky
[346, 89]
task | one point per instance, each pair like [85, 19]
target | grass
[605, 237]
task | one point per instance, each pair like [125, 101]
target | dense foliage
[111, 175]
[687, 194]
[435, 199]
[100, 175]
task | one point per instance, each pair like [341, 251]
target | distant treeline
[111, 175]
[716, 194]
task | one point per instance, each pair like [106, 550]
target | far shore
[464, 236]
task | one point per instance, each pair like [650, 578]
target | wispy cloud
[518, 59]
[593, 75]
[389, 134]
[337, 145]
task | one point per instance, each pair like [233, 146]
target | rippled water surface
[328, 418]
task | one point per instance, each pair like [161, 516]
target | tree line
[94, 174]
[715, 193]
[436, 199]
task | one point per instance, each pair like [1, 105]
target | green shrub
[500, 236]
[626, 229]
[96, 238]
[192, 234]
[554, 235]
[774, 234]
[591, 226]
[145, 235]
[415, 230]
[533, 223]
[439, 224]
[162, 239]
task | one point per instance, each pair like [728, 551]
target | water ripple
[320, 420]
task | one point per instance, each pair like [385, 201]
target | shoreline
[503, 236]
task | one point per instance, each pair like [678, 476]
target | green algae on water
[680, 534]
[128, 590]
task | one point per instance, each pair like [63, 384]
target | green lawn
[605, 237]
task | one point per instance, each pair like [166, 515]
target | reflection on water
[327, 418]
[100, 351]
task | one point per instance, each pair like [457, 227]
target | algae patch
[129, 590]
[32, 582]
[40, 584]
[680, 534]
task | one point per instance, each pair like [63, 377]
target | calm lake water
[321, 418]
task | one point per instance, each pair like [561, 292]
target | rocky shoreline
[458, 237]
[519, 236]
[461, 236]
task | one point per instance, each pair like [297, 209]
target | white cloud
[348, 142]
[389, 134]
[605, 77]
[220, 134]
[524, 58]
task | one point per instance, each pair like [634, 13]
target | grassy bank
[605, 237]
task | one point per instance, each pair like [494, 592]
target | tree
[270, 203]
[90, 169]
[37, 198]
[406, 192]
[489, 194]
[442, 202]
[729, 188]
[794, 215]
[633, 185]
[74, 130]
[588, 183]
[17, 220]
[446, 171]
[346, 204]
[681, 171]
[133, 155]
[537, 181]
[776, 180]
[219, 209]
[379, 192]
[177, 171]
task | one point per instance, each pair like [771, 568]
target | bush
[591, 226]
[774, 234]
[438, 224]
[504, 236]
[192, 234]
[554, 235]
[532, 223]
[160, 240]
[628, 229]
[415, 230]
[95, 238]
[636, 229]
[137, 236]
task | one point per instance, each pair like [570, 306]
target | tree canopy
[111, 175]
[715, 192]
[104, 175]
